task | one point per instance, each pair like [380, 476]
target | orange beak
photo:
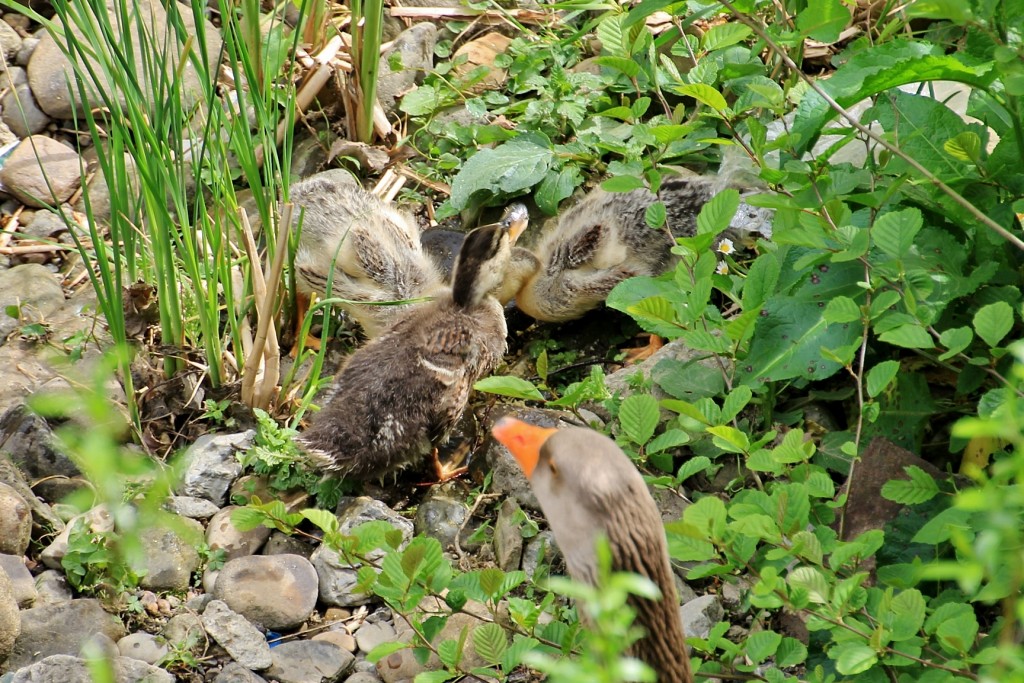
[523, 440]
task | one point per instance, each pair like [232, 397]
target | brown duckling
[588, 488]
[373, 248]
[405, 390]
[604, 239]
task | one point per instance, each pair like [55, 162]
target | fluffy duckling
[405, 390]
[588, 488]
[373, 248]
[604, 239]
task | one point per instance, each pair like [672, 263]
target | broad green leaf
[910, 336]
[614, 37]
[507, 169]
[787, 343]
[729, 439]
[622, 183]
[956, 11]
[655, 215]
[955, 340]
[707, 515]
[921, 487]
[811, 580]
[761, 281]
[993, 322]
[705, 94]
[670, 438]
[842, 309]
[758, 526]
[507, 385]
[490, 642]
[246, 518]
[638, 417]
[823, 20]
[790, 653]
[447, 648]
[880, 376]
[958, 635]
[324, 519]
[894, 232]
[422, 101]
[761, 645]
[624, 64]
[383, 650]
[907, 615]
[736, 401]
[556, 186]
[715, 216]
[724, 35]
[853, 658]
[964, 147]
[944, 525]
[490, 581]
[693, 466]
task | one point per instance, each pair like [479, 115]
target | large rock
[15, 522]
[21, 112]
[211, 465]
[42, 172]
[61, 629]
[10, 620]
[50, 70]
[22, 583]
[34, 288]
[222, 534]
[300, 661]
[414, 50]
[68, 669]
[242, 640]
[276, 591]
[170, 554]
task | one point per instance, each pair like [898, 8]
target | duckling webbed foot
[641, 353]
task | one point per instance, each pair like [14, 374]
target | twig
[482, 498]
[41, 248]
[11, 226]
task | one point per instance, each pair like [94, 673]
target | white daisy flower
[725, 246]
[723, 268]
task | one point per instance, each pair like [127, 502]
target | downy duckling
[373, 248]
[604, 239]
[404, 391]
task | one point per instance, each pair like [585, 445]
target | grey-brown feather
[598, 491]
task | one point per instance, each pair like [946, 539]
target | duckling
[373, 248]
[406, 389]
[604, 239]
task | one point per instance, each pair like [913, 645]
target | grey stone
[68, 669]
[337, 577]
[700, 616]
[61, 629]
[341, 638]
[222, 534]
[242, 640]
[440, 517]
[12, 77]
[50, 71]
[10, 41]
[45, 224]
[142, 646]
[15, 522]
[21, 113]
[403, 666]
[28, 46]
[39, 294]
[42, 171]
[191, 507]
[10, 619]
[283, 544]
[22, 583]
[363, 677]
[96, 520]
[99, 193]
[236, 673]
[211, 465]
[52, 588]
[508, 539]
[414, 47]
[170, 554]
[183, 631]
[372, 635]
[540, 551]
[301, 661]
[276, 591]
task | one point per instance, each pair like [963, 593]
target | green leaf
[729, 439]
[724, 35]
[880, 376]
[542, 365]
[842, 309]
[894, 232]
[693, 466]
[383, 650]
[247, 518]
[421, 101]
[490, 642]
[704, 94]
[964, 147]
[812, 581]
[955, 340]
[670, 438]
[736, 401]
[638, 417]
[921, 487]
[707, 515]
[956, 11]
[441, 676]
[490, 581]
[761, 645]
[504, 170]
[507, 385]
[655, 215]
[624, 64]
[823, 20]
[853, 658]
[622, 183]
[614, 37]
[715, 216]
[556, 186]
[993, 322]
[906, 615]
[944, 526]
[909, 336]
[790, 653]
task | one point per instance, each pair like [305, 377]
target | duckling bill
[405, 390]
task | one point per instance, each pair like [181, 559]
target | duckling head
[484, 258]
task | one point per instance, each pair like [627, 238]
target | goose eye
[554, 468]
